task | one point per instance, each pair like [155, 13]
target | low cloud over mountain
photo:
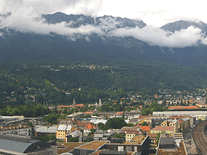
[28, 20]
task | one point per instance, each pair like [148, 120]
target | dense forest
[60, 83]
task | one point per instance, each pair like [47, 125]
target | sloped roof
[13, 145]
[62, 127]
[79, 105]
[144, 128]
[66, 106]
[89, 126]
[183, 107]
[119, 112]
[88, 112]
[46, 129]
[181, 121]
[162, 128]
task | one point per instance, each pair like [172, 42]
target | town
[91, 131]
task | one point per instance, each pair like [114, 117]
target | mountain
[18, 46]
[179, 25]
[78, 20]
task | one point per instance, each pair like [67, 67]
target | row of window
[61, 134]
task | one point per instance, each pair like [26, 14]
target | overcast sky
[155, 13]
[152, 12]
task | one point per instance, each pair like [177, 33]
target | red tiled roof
[66, 106]
[162, 128]
[144, 128]
[119, 112]
[89, 126]
[179, 116]
[88, 112]
[81, 124]
[79, 105]
[181, 121]
[183, 107]
[152, 135]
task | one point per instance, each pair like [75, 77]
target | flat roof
[67, 147]
[136, 140]
[167, 140]
[180, 150]
[94, 145]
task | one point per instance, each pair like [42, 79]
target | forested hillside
[60, 83]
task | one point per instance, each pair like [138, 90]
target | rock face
[78, 20]
[179, 25]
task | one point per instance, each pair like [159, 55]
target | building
[75, 116]
[104, 135]
[20, 146]
[45, 130]
[19, 129]
[171, 122]
[90, 147]
[171, 144]
[130, 132]
[176, 113]
[144, 120]
[177, 108]
[157, 120]
[105, 114]
[138, 145]
[62, 131]
[88, 128]
[161, 129]
[145, 129]
[65, 122]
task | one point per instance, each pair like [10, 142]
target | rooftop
[119, 112]
[179, 151]
[144, 128]
[94, 145]
[62, 127]
[162, 128]
[67, 147]
[90, 126]
[75, 114]
[13, 127]
[46, 129]
[182, 107]
[136, 140]
[13, 145]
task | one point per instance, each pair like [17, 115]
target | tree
[144, 124]
[87, 116]
[115, 123]
[73, 139]
[47, 138]
[157, 139]
[65, 111]
[101, 126]
[92, 132]
[89, 139]
[122, 136]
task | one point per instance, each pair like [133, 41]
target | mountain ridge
[19, 46]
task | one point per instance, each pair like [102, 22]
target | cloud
[89, 7]
[26, 17]
[27, 20]
[156, 36]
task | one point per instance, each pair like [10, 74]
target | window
[128, 148]
[120, 148]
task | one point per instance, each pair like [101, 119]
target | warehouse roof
[13, 145]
